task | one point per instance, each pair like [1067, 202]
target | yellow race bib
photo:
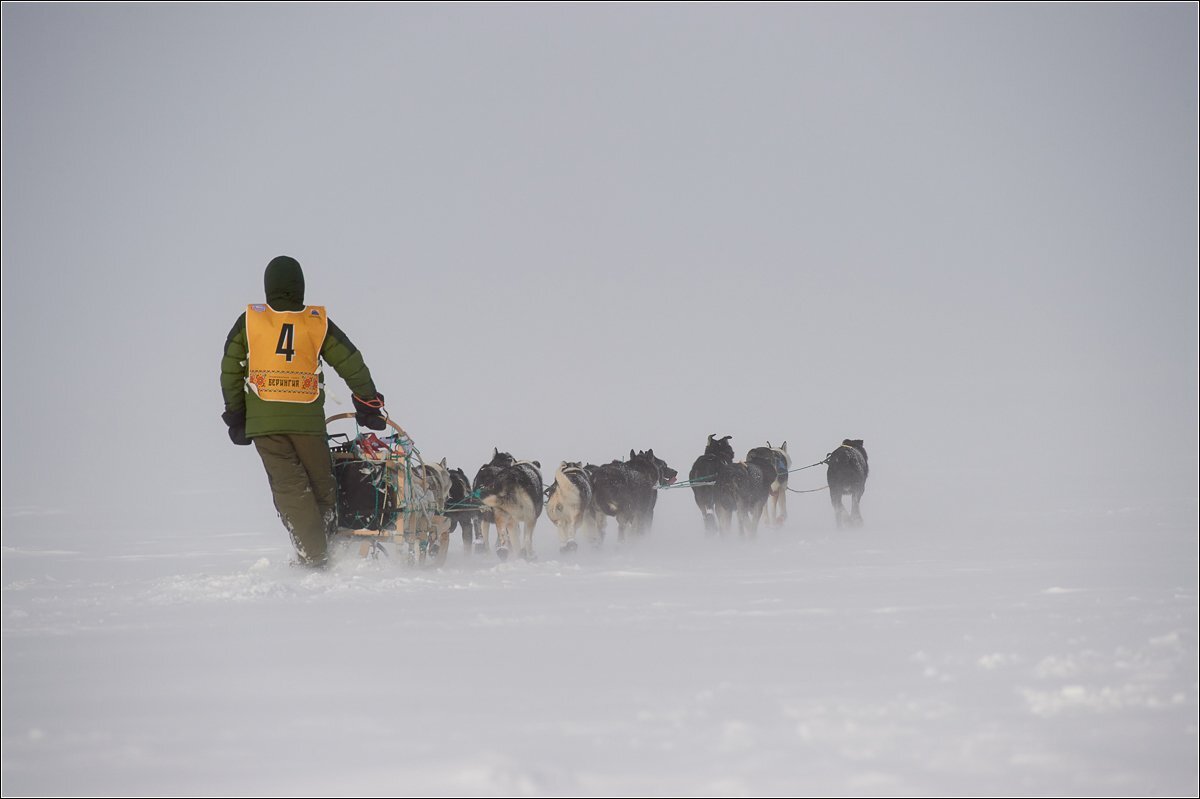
[285, 352]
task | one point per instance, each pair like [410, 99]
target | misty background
[963, 233]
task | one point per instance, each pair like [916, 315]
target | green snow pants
[305, 492]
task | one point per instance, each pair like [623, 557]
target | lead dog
[567, 503]
[515, 496]
[847, 474]
[774, 460]
[703, 476]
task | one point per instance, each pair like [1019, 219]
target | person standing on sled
[274, 397]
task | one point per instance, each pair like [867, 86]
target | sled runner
[389, 501]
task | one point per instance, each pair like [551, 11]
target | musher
[274, 396]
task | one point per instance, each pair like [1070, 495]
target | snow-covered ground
[1035, 656]
[963, 232]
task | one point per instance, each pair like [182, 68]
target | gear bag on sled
[366, 490]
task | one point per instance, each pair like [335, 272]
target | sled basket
[383, 496]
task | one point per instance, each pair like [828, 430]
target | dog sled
[389, 502]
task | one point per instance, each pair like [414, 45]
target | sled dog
[515, 497]
[425, 502]
[703, 476]
[628, 490]
[774, 460]
[847, 474]
[742, 488]
[463, 510]
[483, 481]
[568, 502]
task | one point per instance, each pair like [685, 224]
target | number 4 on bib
[286, 346]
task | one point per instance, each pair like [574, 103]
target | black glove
[369, 413]
[236, 420]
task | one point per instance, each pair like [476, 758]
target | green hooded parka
[284, 284]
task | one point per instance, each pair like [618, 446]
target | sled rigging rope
[469, 502]
[809, 466]
[818, 463]
[689, 483]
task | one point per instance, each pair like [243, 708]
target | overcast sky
[966, 234]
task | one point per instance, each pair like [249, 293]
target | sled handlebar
[339, 416]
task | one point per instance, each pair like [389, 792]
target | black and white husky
[774, 460]
[567, 504]
[515, 497]
[484, 479]
[847, 474]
